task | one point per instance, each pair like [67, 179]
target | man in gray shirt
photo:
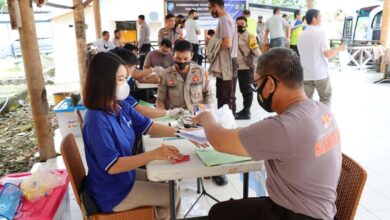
[144, 40]
[275, 27]
[300, 147]
[227, 32]
[192, 31]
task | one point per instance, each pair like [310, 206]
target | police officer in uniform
[185, 83]
[248, 52]
[170, 31]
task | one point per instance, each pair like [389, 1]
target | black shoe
[244, 114]
[220, 180]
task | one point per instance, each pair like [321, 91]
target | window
[377, 23]
[362, 25]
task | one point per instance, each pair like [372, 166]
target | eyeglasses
[254, 85]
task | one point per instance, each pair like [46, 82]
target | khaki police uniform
[247, 46]
[170, 34]
[179, 93]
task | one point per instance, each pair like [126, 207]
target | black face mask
[241, 29]
[181, 66]
[214, 14]
[266, 103]
[196, 18]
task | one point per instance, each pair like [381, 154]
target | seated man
[158, 58]
[104, 44]
[185, 83]
[131, 61]
[161, 57]
[300, 147]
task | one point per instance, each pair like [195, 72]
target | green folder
[146, 104]
[211, 157]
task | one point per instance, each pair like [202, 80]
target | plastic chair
[350, 188]
[76, 171]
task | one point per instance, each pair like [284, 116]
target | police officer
[185, 83]
[170, 31]
[248, 52]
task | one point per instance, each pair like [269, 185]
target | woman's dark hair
[100, 84]
[311, 14]
[182, 46]
[284, 64]
[126, 55]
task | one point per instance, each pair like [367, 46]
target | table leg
[172, 199]
[246, 185]
[198, 185]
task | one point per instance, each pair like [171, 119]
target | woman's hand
[167, 153]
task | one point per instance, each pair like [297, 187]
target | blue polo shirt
[108, 136]
[131, 101]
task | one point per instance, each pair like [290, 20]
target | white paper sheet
[195, 135]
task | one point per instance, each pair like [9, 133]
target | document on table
[211, 157]
[194, 135]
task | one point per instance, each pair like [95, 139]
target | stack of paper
[211, 157]
[194, 135]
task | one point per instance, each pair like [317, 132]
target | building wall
[64, 39]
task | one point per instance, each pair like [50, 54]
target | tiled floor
[362, 110]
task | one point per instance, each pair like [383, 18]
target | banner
[182, 7]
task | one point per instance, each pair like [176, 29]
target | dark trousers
[144, 50]
[253, 208]
[277, 42]
[294, 48]
[245, 79]
[195, 51]
[226, 90]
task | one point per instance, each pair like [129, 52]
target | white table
[163, 171]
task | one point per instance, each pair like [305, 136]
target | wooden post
[35, 82]
[385, 35]
[79, 24]
[96, 15]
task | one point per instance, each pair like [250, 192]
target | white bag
[225, 117]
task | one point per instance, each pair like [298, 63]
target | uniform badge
[170, 83]
[195, 78]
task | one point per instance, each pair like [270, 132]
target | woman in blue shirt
[109, 132]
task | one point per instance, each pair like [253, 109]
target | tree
[3, 5]
[281, 3]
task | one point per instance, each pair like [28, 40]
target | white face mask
[122, 91]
